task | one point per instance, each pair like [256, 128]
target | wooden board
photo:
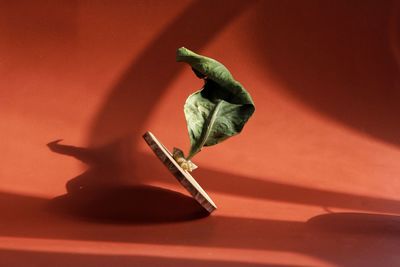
[184, 177]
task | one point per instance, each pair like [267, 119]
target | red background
[313, 180]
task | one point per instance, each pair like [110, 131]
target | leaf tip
[183, 52]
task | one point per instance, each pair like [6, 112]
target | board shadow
[128, 204]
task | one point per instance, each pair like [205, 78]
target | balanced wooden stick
[184, 177]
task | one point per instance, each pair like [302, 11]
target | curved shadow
[128, 204]
[149, 74]
[335, 57]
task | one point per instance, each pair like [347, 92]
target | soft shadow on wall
[142, 84]
[338, 57]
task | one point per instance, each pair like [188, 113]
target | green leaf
[220, 109]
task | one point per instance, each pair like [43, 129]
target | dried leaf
[220, 109]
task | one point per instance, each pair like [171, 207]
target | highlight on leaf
[217, 111]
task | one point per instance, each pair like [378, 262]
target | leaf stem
[205, 134]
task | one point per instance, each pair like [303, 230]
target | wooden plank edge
[183, 177]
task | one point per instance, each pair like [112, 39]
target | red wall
[318, 159]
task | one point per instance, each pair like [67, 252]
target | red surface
[312, 181]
